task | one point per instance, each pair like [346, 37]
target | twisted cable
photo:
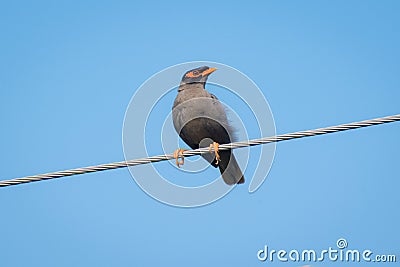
[189, 153]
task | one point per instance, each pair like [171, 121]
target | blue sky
[69, 68]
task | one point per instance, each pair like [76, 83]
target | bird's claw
[178, 156]
[215, 146]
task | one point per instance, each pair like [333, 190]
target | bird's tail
[229, 168]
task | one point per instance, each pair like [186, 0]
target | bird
[201, 121]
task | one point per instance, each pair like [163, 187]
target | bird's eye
[195, 72]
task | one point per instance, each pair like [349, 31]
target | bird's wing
[222, 117]
[213, 96]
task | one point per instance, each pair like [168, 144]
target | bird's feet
[215, 146]
[178, 156]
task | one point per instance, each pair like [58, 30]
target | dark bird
[200, 120]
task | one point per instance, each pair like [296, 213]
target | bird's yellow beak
[209, 71]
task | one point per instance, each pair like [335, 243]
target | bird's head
[198, 75]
